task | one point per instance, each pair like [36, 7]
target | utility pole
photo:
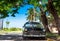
[1, 24]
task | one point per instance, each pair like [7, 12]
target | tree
[44, 20]
[32, 14]
[37, 3]
[7, 23]
[9, 6]
[53, 11]
[50, 18]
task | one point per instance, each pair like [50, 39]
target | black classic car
[33, 29]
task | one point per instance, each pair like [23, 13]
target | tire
[25, 38]
[43, 38]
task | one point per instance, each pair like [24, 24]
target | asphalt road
[16, 38]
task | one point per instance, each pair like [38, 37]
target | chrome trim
[34, 35]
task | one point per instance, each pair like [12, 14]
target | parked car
[33, 29]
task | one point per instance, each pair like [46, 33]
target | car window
[28, 25]
[36, 25]
[32, 25]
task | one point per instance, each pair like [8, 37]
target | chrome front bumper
[34, 35]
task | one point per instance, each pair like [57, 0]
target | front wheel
[43, 38]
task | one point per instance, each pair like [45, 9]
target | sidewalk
[6, 40]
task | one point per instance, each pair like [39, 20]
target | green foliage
[32, 14]
[56, 3]
[34, 2]
[49, 35]
[12, 29]
[7, 22]
[5, 29]
[7, 5]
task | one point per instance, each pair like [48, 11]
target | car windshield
[32, 25]
[28, 25]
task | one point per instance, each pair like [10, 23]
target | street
[16, 38]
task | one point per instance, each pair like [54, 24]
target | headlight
[44, 30]
[25, 30]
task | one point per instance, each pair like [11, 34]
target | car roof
[32, 23]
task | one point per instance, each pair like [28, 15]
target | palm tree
[37, 3]
[32, 15]
[7, 23]
[44, 19]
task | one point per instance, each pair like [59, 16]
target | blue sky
[20, 18]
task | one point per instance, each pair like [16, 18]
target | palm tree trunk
[44, 20]
[34, 14]
[53, 11]
[32, 18]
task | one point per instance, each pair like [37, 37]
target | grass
[52, 36]
[4, 32]
[7, 30]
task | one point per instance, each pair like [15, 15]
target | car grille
[36, 32]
